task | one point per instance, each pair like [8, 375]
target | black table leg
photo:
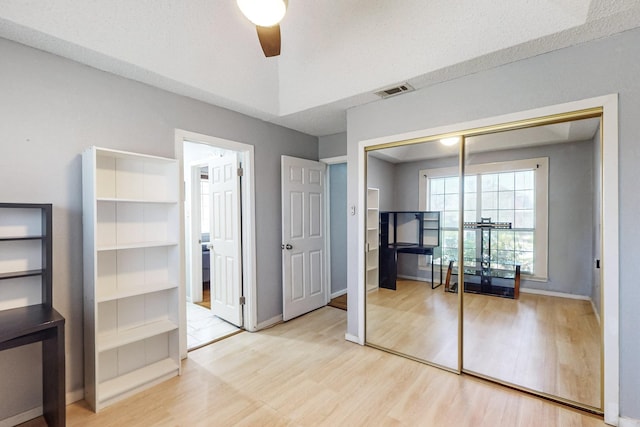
[53, 377]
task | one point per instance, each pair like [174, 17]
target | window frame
[541, 233]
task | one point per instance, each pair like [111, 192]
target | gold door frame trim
[415, 359]
[588, 113]
[543, 395]
[461, 160]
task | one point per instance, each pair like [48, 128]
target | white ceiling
[335, 53]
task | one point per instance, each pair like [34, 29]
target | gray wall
[51, 109]
[570, 211]
[407, 180]
[605, 66]
[338, 214]
[381, 175]
[332, 145]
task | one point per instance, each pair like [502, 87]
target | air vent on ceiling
[396, 90]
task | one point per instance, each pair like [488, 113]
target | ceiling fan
[266, 15]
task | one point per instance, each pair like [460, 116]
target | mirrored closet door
[509, 240]
[411, 238]
[532, 286]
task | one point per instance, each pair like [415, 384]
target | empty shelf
[122, 200]
[138, 245]
[114, 340]
[13, 239]
[18, 274]
[140, 290]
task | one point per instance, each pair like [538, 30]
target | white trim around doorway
[248, 225]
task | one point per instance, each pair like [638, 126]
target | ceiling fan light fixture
[264, 13]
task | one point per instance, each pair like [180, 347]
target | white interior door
[303, 235]
[225, 238]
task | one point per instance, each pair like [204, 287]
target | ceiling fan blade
[269, 40]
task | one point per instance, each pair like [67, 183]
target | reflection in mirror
[531, 235]
[412, 231]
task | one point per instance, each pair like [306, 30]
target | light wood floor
[204, 328]
[206, 297]
[415, 320]
[543, 343]
[303, 372]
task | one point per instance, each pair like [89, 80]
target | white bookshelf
[132, 270]
[373, 236]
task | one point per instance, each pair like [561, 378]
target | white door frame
[330, 161]
[610, 229]
[196, 230]
[248, 225]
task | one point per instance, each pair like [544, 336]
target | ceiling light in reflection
[450, 141]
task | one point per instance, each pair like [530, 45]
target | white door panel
[303, 255]
[225, 240]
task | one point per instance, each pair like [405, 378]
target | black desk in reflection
[406, 232]
[389, 262]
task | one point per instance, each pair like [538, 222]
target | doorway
[337, 230]
[218, 231]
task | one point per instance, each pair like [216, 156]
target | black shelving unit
[480, 276]
[39, 322]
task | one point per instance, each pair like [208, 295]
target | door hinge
[242, 300]
[240, 171]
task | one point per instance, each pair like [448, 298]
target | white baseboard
[628, 422]
[339, 293]
[21, 418]
[553, 294]
[527, 291]
[595, 311]
[353, 338]
[70, 397]
[74, 396]
[269, 322]
[405, 277]
[523, 290]
[418, 279]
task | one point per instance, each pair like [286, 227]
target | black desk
[27, 325]
[389, 262]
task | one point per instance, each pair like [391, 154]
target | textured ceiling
[335, 53]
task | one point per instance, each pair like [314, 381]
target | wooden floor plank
[544, 343]
[303, 373]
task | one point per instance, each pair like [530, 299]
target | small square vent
[396, 90]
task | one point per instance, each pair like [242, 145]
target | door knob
[289, 247]
[282, 246]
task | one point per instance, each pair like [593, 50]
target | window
[514, 192]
